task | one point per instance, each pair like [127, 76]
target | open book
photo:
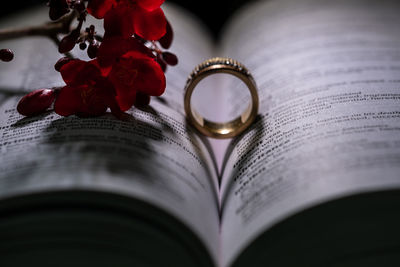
[314, 182]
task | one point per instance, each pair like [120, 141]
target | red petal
[142, 100]
[95, 109]
[104, 70]
[36, 102]
[83, 100]
[114, 47]
[70, 70]
[151, 78]
[98, 8]
[68, 101]
[125, 98]
[96, 97]
[118, 22]
[150, 5]
[77, 72]
[121, 77]
[61, 62]
[149, 25]
[115, 109]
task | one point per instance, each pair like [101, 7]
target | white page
[153, 157]
[328, 74]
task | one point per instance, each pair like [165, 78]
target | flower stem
[49, 29]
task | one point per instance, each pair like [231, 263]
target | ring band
[235, 126]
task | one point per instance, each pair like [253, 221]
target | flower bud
[68, 42]
[6, 55]
[92, 49]
[82, 46]
[36, 102]
[79, 6]
[170, 58]
[58, 8]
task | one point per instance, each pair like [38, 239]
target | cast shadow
[149, 109]
[257, 135]
[28, 120]
[122, 148]
[195, 136]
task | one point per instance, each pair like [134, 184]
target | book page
[329, 125]
[155, 156]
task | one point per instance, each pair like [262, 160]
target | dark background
[212, 12]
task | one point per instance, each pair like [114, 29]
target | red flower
[128, 69]
[87, 92]
[135, 72]
[127, 17]
[114, 47]
[131, 67]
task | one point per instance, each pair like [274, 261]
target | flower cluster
[126, 65]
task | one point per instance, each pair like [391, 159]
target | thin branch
[48, 29]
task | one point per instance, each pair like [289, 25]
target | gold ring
[215, 129]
